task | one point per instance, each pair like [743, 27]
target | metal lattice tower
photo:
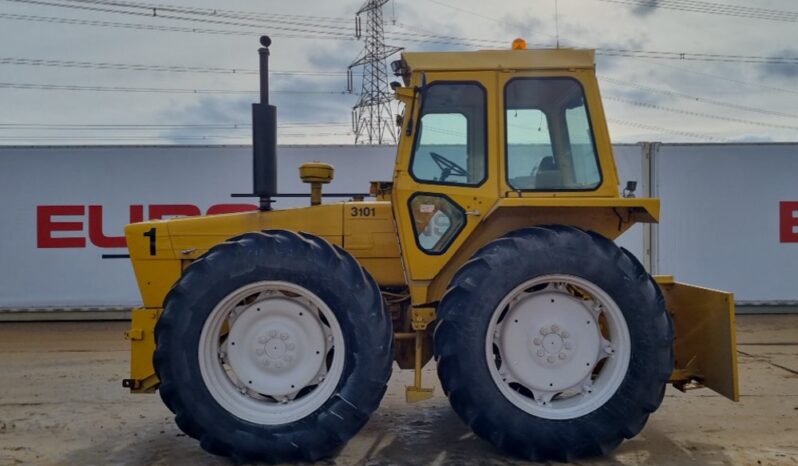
[372, 115]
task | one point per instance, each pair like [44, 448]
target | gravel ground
[62, 403]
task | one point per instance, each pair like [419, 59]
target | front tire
[274, 347]
[554, 344]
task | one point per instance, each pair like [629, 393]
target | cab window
[450, 145]
[549, 140]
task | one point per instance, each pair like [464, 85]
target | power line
[148, 127]
[117, 138]
[193, 30]
[722, 78]
[159, 138]
[313, 29]
[242, 71]
[699, 114]
[157, 11]
[659, 129]
[696, 56]
[121, 66]
[148, 27]
[317, 28]
[59, 87]
[408, 37]
[694, 98]
[309, 30]
[308, 21]
[661, 55]
[714, 9]
[621, 54]
[215, 11]
[445, 39]
[158, 68]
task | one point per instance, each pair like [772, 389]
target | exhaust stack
[264, 136]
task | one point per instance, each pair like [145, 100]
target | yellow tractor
[271, 334]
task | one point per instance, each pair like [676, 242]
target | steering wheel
[448, 168]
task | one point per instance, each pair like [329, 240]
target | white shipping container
[63, 208]
[96, 186]
[721, 217]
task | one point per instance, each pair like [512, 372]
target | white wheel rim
[558, 347]
[271, 352]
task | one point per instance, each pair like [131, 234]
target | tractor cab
[524, 121]
[549, 143]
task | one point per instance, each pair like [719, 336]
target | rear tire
[273, 347]
[554, 344]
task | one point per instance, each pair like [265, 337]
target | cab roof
[525, 59]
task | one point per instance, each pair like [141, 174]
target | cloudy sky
[109, 72]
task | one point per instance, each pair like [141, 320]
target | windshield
[549, 139]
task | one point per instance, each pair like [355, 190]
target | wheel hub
[545, 346]
[276, 347]
[551, 344]
[560, 358]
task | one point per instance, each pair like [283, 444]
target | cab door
[445, 180]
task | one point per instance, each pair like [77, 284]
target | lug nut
[562, 356]
[555, 328]
[541, 353]
[569, 345]
[565, 334]
[262, 340]
[273, 333]
[537, 341]
[284, 336]
[550, 359]
[544, 331]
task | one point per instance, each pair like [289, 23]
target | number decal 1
[151, 235]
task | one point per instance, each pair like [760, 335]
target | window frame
[589, 122]
[416, 136]
[455, 234]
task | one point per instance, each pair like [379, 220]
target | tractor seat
[548, 175]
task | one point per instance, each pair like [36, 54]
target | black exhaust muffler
[264, 136]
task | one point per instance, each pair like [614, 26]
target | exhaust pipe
[264, 136]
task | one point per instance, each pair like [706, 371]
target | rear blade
[705, 337]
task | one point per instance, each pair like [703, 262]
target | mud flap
[705, 337]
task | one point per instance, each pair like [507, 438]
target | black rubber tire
[463, 319]
[313, 263]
